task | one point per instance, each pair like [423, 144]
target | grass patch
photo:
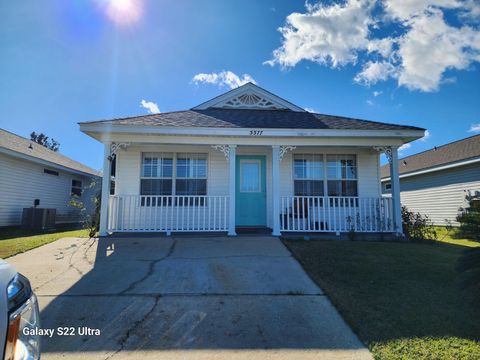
[402, 299]
[453, 237]
[14, 240]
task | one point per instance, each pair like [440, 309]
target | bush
[90, 221]
[417, 227]
[469, 219]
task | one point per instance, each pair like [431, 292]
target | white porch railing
[335, 214]
[133, 213]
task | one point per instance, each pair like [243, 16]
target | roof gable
[249, 96]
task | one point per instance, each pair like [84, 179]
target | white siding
[21, 182]
[440, 194]
[129, 161]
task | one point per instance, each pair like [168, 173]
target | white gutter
[44, 162]
[434, 169]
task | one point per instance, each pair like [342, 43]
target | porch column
[105, 190]
[276, 189]
[395, 181]
[232, 151]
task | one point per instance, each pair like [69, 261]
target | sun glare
[124, 12]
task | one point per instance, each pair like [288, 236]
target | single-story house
[248, 158]
[30, 171]
[436, 182]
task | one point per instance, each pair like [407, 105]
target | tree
[44, 140]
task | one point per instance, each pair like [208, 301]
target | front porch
[171, 188]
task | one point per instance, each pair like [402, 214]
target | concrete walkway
[183, 298]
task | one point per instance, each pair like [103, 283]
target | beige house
[248, 159]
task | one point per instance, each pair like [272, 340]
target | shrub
[469, 219]
[417, 227]
[89, 220]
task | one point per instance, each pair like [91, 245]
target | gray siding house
[29, 171]
[436, 182]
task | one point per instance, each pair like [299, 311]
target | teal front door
[250, 201]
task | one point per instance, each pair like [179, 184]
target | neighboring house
[30, 171]
[436, 182]
[248, 158]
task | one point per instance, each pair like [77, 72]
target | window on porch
[320, 174]
[182, 174]
[308, 175]
[342, 175]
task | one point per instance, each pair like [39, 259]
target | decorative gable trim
[249, 96]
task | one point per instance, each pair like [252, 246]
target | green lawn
[14, 240]
[402, 299]
[452, 237]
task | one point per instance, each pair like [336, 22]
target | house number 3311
[256, 132]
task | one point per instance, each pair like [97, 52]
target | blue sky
[68, 61]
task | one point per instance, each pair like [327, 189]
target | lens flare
[124, 12]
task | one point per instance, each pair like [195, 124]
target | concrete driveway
[182, 298]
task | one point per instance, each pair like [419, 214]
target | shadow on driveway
[215, 297]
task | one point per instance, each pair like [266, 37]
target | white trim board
[246, 132]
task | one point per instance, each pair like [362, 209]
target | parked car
[19, 316]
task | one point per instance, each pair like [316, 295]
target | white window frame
[158, 155]
[173, 178]
[325, 177]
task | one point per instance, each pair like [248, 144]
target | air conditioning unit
[38, 218]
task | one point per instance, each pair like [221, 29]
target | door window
[250, 174]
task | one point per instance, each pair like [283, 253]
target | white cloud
[370, 102]
[404, 147]
[223, 78]
[431, 47]
[474, 128]
[417, 54]
[310, 110]
[374, 72]
[426, 136]
[377, 93]
[405, 9]
[325, 34]
[151, 107]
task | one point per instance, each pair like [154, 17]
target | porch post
[105, 191]
[395, 181]
[231, 188]
[276, 189]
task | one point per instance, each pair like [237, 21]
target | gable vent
[250, 101]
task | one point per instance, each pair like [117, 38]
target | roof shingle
[446, 154]
[246, 118]
[24, 146]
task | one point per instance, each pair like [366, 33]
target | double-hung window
[320, 175]
[342, 175]
[157, 174]
[308, 174]
[174, 174]
[191, 178]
